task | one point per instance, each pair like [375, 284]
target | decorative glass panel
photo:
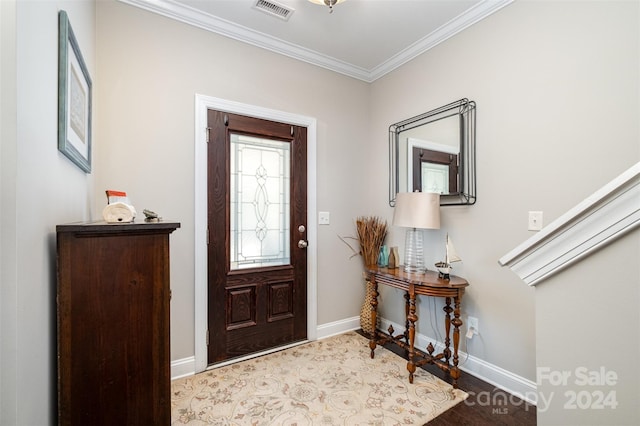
[260, 200]
[435, 178]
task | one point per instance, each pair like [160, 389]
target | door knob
[302, 244]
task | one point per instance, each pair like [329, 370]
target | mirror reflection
[435, 152]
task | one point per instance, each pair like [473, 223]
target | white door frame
[202, 104]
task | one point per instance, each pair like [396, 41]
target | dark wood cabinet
[113, 323]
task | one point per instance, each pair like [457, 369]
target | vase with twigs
[371, 234]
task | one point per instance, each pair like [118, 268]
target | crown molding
[606, 215]
[448, 30]
[194, 17]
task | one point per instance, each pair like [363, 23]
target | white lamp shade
[417, 210]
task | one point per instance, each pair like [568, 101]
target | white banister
[607, 214]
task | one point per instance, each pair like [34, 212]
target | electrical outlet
[472, 323]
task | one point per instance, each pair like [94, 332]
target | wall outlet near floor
[472, 325]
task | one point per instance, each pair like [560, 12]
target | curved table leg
[457, 322]
[406, 315]
[447, 328]
[412, 317]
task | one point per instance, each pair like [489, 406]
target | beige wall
[150, 70]
[40, 188]
[588, 325]
[8, 155]
[556, 84]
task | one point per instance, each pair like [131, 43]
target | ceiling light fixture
[329, 3]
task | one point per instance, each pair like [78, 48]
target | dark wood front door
[422, 157]
[257, 220]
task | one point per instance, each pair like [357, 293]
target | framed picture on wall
[74, 98]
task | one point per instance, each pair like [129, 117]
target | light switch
[535, 221]
[324, 218]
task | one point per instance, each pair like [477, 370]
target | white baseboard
[516, 385]
[338, 327]
[499, 377]
[509, 382]
[183, 367]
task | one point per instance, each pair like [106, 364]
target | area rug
[327, 382]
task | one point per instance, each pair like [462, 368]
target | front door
[257, 213]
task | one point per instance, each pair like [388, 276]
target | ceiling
[364, 39]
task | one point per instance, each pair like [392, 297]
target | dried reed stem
[371, 233]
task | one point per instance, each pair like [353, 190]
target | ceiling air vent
[274, 9]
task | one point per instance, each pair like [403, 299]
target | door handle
[303, 244]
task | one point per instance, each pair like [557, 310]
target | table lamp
[418, 211]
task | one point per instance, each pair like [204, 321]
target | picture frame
[74, 98]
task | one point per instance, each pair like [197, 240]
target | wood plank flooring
[486, 405]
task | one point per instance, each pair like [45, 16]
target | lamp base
[414, 252]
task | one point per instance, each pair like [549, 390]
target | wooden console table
[428, 284]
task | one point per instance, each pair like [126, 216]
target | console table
[427, 284]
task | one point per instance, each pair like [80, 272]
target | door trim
[202, 104]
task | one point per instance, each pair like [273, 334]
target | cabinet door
[113, 301]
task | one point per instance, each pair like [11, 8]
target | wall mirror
[435, 152]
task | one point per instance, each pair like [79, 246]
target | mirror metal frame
[466, 110]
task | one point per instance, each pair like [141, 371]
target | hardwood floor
[486, 405]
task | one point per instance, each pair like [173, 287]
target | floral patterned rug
[327, 382]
